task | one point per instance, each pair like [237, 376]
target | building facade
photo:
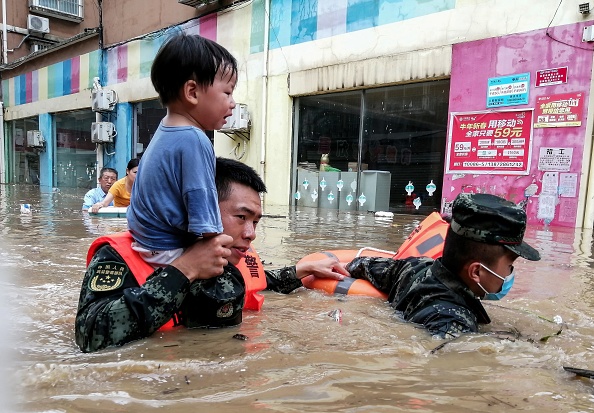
[369, 105]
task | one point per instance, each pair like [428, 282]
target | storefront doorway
[75, 156]
[23, 165]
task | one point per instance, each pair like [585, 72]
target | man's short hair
[230, 171]
[106, 169]
[184, 57]
[459, 250]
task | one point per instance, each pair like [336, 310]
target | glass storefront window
[404, 133]
[23, 167]
[148, 116]
[329, 124]
[75, 162]
[402, 140]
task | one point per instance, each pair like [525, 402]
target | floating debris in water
[580, 372]
[546, 338]
[240, 337]
[336, 315]
[384, 214]
[557, 319]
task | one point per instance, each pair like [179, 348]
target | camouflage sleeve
[282, 280]
[381, 272]
[445, 320]
[113, 309]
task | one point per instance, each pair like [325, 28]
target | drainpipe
[99, 149]
[2, 163]
[264, 91]
[98, 84]
[4, 61]
[4, 35]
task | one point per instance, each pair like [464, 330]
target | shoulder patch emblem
[225, 311]
[107, 276]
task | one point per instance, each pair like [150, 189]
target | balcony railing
[72, 10]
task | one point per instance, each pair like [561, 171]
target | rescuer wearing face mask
[484, 239]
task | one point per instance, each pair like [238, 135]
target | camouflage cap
[492, 220]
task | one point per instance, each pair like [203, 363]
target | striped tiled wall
[59, 79]
[291, 22]
[298, 21]
[122, 63]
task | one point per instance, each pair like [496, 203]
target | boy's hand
[206, 258]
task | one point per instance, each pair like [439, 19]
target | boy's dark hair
[230, 171]
[106, 169]
[459, 250]
[184, 57]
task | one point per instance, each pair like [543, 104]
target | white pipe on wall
[4, 35]
[2, 164]
[264, 108]
[4, 61]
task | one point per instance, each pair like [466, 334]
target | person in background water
[198, 289]
[107, 176]
[174, 202]
[120, 192]
[483, 241]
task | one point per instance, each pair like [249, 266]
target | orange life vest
[250, 266]
[426, 240]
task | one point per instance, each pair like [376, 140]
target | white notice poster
[550, 183]
[546, 207]
[568, 185]
[555, 159]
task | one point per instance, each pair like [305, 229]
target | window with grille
[68, 9]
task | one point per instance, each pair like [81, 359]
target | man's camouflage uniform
[424, 292]
[115, 310]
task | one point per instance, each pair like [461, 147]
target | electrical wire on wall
[550, 36]
[107, 152]
[235, 150]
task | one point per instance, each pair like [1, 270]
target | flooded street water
[296, 358]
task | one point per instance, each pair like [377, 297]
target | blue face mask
[507, 284]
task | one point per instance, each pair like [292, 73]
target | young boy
[174, 200]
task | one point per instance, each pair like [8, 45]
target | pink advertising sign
[490, 142]
[556, 111]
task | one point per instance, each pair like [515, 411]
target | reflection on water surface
[296, 358]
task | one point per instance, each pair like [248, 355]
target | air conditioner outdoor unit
[240, 119]
[38, 24]
[102, 132]
[35, 139]
[103, 100]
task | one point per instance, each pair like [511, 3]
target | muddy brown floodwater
[296, 357]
